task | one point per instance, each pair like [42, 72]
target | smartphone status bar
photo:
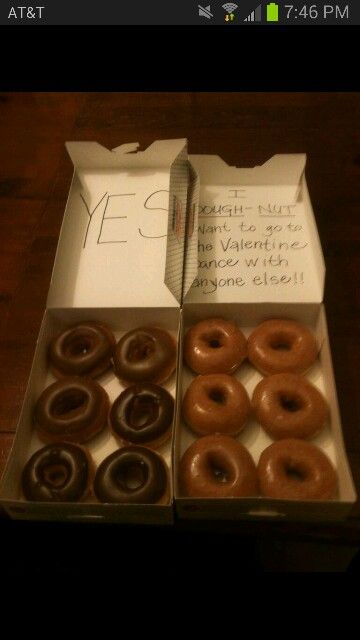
[244, 13]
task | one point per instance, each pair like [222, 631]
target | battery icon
[272, 12]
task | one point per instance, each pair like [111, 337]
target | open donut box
[157, 237]
[119, 261]
[259, 257]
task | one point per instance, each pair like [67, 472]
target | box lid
[257, 237]
[123, 234]
[191, 241]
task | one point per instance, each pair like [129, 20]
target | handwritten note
[252, 246]
[116, 206]
[121, 239]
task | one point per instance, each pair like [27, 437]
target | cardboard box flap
[191, 250]
[177, 225]
[281, 171]
[92, 155]
[257, 237]
[123, 233]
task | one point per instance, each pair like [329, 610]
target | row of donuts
[148, 354]
[288, 407]
[77, 409]
[145, 354]
[65, 472]
[219, 466]
[216, 345]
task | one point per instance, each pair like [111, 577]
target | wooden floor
[245, 129]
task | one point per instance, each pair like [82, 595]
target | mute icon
[205, 11]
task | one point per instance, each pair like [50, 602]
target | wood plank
[6, 440]
[33, 128]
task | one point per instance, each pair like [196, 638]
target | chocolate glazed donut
[147, 354]
[85, 349]
[131, 475]
[72, 409]
[57, 473]
[143, 414]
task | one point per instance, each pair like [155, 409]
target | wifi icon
[229, 7]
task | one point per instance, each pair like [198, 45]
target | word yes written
[118, 232]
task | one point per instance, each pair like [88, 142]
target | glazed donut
[289, 406]
[214, 346]
[85, 349]
[147, 354]
[296, 470]
[282, 346]
[72, 409]
[217, 467]
[216, 403]
[143, 414]
[132, 475]
[57, 473]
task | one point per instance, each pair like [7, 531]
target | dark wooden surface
[245, 129]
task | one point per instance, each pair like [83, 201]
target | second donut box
[150, 238]
[260, 258]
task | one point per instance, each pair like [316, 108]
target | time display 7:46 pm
[313, 12]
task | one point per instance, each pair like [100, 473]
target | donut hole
[55, 474]
[278, 345]
[140, 348]
[78, 346]
[141, 412]
[68, 404]
[131, 476]
[213, 340]
[290, 402]
[281, 342]
[295, 472]
[218, 468]
[217, 395]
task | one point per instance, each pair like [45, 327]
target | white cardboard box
[119, 260]
[128, 221]
[259, 257]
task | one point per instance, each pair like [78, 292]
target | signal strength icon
[254, 16]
